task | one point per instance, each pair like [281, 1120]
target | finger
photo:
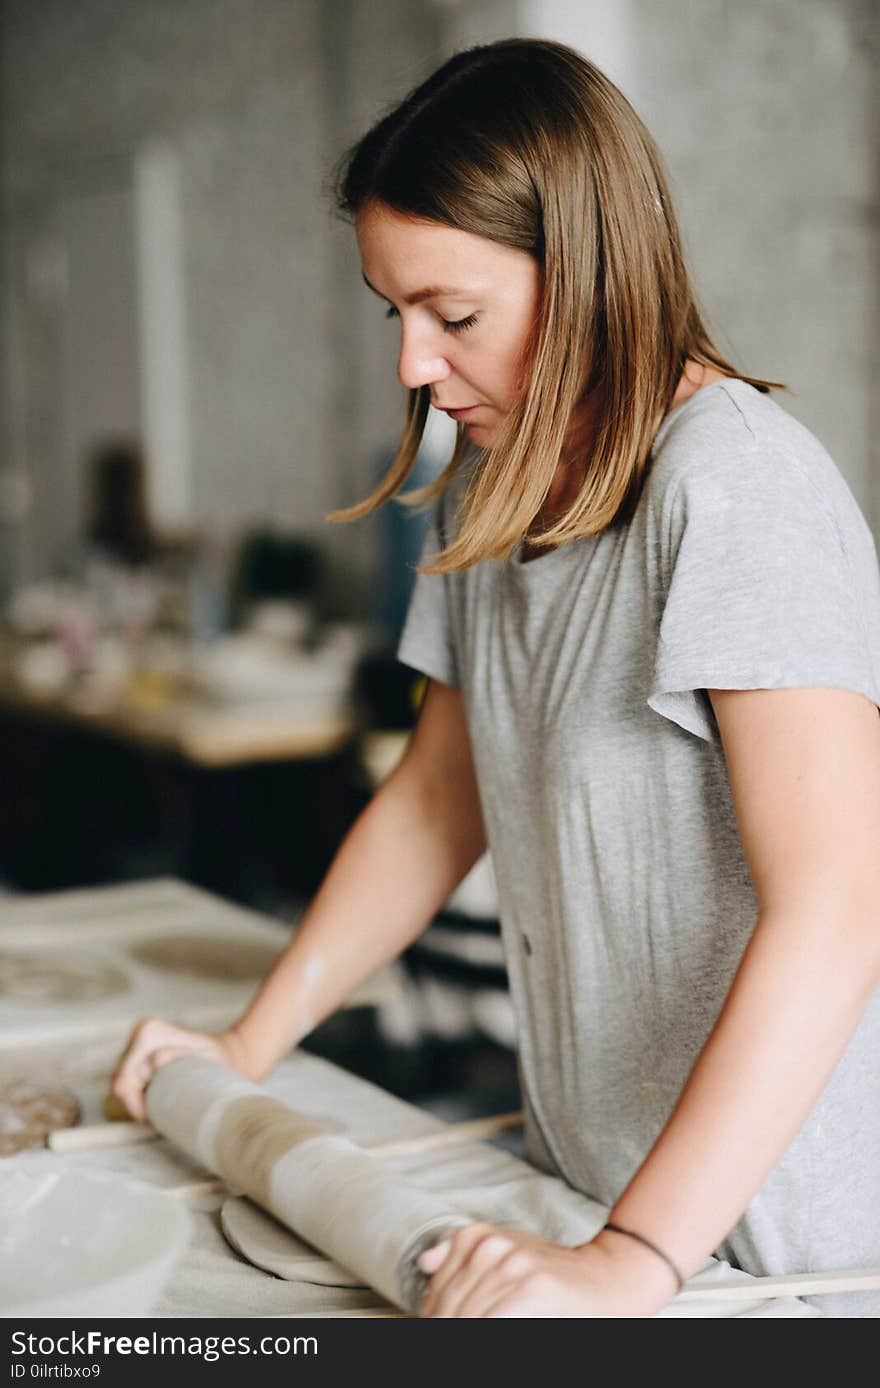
[145, 1037]
[481, 1262]
[459, 1248]
[502, 1279]
[138, 1064]
[127, 1086]
[130, 1093]
[511, 1305]
[131, 1047]
[486, 1294]
[133, 1090]
[433, 1258]
[131, 1086]
[161, 1057]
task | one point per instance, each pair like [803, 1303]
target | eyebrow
[432, 291]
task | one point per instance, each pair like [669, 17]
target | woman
[650, 614]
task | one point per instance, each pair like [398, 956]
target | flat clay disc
[60, 976]
[29, 1112]
[208, 958]
[268, 1245]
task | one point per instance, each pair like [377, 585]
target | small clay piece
[29, 1112]
[59, 976]
[114, 1109]
[268, 1245]
[206, 957]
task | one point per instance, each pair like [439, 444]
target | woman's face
[466, 307]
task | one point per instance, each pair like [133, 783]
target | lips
[457, 412]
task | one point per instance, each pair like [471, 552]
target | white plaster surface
[77, 1242]
[211, 1280]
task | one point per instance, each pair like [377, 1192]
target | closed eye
[460, 325]
[456, 325]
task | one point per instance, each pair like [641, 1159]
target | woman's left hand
[485, 1271]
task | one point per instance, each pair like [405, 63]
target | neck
[568, 478]
[581, 434]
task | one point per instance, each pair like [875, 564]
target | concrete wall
[287, 409]
[766, 112]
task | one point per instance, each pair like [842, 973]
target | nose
[416, 365]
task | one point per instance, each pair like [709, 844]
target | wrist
[640, 1277]
[243, 1056]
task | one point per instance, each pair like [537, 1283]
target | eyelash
[458, 325]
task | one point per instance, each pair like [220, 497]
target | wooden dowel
[376, 1312]
[755, 1289]
[797, 1284]
[99, 1135]
[472, 1131]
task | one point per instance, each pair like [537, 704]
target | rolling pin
[321, 1186]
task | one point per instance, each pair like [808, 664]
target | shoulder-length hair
[526, 143]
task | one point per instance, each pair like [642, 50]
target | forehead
[401, 254]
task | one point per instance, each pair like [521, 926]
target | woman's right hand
[154, 1042]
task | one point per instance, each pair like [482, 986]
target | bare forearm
[400, 861]
[795, 1002]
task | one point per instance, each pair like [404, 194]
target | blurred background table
[187, 725]
[249, 797]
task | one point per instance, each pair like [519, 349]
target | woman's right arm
[401, 860]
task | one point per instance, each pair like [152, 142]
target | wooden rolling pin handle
[475, 1130]
[796, 1284]
[99, 1135]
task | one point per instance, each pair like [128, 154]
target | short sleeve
[426, 642]
[765, 586]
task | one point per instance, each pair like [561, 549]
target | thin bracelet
[640, 1238]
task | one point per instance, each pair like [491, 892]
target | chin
[484, 434]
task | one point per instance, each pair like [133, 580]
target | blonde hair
[526, 143]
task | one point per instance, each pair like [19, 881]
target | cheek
[511, 375]
[494, 372]
[513, 359]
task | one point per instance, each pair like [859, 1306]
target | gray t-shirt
[624, 895]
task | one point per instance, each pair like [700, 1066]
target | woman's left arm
[804, 770]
